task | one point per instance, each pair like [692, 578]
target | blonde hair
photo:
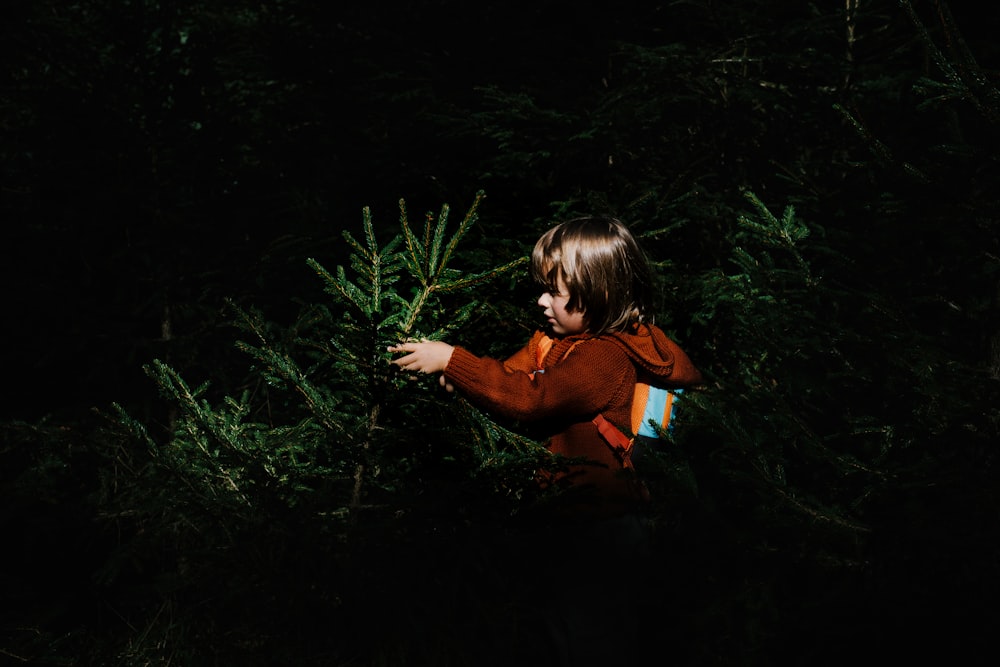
[604, 269]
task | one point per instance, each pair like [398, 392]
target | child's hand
[426, 356]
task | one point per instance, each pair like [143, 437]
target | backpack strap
[544, 345]
[639, 400]
[620, 443]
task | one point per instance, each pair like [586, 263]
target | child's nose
[543, 300]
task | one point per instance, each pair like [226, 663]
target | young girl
[600, 337]
[585, 560]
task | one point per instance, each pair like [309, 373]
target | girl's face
[563, 322]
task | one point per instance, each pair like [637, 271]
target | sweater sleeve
[589, 379]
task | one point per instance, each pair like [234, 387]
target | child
[599, 338]
[597, 300]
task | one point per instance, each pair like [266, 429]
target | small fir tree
[327, 436]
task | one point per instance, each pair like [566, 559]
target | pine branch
[966, 80]
[785, 233]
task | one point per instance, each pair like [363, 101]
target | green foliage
[327, 438]
[771, 326]
[328, 407]
[815, 184]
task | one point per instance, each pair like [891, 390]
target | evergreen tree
[327, 442]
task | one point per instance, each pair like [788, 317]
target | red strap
[619, 442]
[544, 345]
[639, 398]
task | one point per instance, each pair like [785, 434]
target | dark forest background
[205, 459]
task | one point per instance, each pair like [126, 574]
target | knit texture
[555, 400]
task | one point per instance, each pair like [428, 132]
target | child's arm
[427, 356]
[433, 356]
[585, 382]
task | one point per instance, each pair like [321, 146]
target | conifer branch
[416, 251]
[467, 221]
[817, 513]
[479, 278]
[786, 233]
[434, 260]
[966, 79]
[223, 428]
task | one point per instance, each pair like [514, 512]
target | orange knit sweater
[597, 376]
